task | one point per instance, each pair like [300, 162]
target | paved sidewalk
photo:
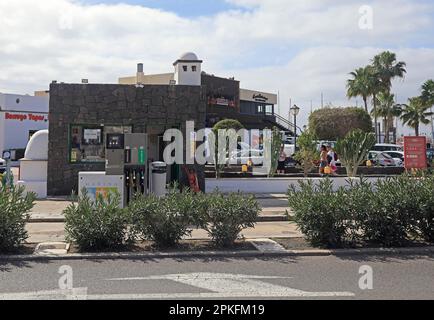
[51, 210]
[54, 232]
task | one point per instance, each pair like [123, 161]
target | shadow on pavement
[386, 257]
[9, 265]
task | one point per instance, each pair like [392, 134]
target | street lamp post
[295, 111]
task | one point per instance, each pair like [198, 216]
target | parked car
[242, 157]
[382, 147]
[319, 144]
[381, 159]
[430, 157]
[2, 165]
[398, 156]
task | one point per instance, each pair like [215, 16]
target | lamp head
[295, 110]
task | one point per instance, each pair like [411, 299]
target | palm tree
[385, 69]
[428, 97]
[360, 85]
[388, 110]
[388, 68]
[428, 91]
[415, 113]
[375, 88]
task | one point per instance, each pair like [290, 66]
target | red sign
[221, 102]
[25, 116]
[415, 153]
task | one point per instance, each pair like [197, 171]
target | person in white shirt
[332, 157]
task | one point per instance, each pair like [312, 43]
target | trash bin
[159, 178]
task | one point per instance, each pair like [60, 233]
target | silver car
[381, 159]
[2, 165]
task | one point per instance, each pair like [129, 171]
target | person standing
[323, 160]
[332, 157]
[282, 161]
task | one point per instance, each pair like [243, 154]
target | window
[185, 68]
[194, 68]
[86, 142]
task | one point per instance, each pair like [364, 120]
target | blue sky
[185, 8]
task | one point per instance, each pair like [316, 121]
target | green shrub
[390, 219]
[320, 213]
[226, 216]
[389, 212]
[425, 214]
[357, 202]
[165, 220]
[97, 224]
[14, 208]
[308, 151]
[335, 123]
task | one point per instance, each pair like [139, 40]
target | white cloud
[301, 48]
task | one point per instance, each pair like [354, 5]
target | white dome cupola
[188, 70]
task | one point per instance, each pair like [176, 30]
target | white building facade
[20, 117]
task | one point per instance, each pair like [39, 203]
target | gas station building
[82, 114]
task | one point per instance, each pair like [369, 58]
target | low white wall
[33, 170]
[267, 185]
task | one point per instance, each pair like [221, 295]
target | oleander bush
[320, 212]
[225, 216]
[98, 224]
[15, 205]
[389, 215]
[165, 220]
[425, 214]
[389, 212]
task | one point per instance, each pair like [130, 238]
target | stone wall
[95, 104]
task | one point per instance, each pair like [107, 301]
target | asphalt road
[393, 277]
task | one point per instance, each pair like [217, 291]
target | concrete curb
[222, 254]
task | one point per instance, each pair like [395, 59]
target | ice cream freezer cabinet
[99, 184]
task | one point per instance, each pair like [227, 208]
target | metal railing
[283, 122]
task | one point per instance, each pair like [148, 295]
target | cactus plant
[276, 144]
[308, 153]
[353, 150]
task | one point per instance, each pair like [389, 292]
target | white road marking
[218, 285]
[232, 285]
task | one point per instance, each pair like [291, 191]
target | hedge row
[101, 225]
[389, 212]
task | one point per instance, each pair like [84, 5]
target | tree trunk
[416, 129]
[375, 117]
[386, 130]
[365, 100]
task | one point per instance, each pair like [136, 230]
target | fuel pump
[126, 155]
